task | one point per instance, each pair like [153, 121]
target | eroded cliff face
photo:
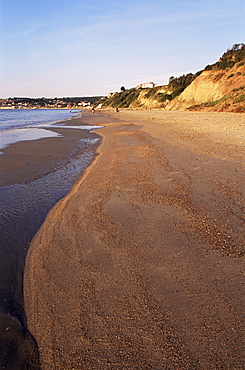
[220, 90]
[220, 87]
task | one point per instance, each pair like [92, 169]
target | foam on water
[87, 127]
[24, 125]
[19, 118]
[24, 134]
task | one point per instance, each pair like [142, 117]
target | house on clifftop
[147, 85]
[111, 94]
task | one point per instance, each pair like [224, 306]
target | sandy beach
[34, 176]
[141, 265]
[27, 160]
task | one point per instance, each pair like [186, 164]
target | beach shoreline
[24, 161]
[35, 175]
[141, 265]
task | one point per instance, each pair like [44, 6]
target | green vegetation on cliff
[221, 72]
[122, 99]
[128, 98]
[232, 56]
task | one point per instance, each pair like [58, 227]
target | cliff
[219, 87]
[216, 90]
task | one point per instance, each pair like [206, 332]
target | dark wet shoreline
[24, 207]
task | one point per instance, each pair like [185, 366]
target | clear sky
[83, 48]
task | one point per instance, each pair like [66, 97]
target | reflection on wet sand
[32, 186]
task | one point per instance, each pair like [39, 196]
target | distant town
[48, 103]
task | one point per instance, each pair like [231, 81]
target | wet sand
[141, 265]
[24, 161]
[34, 176]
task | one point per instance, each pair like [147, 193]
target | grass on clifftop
[232, 56]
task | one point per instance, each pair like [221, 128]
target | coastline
[35, 175]
[24, 161]
[141, 264]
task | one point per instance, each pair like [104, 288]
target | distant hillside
[219, 87]
[51, 103]
[156, 97]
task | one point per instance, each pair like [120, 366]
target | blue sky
[83, 48]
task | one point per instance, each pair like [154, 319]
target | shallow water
[11, 119]
[24, 134]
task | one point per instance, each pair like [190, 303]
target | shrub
[209, 67]
[183, 81]
[128, 97]
[122, 99]
[176, 92]
[239, 99]
[239, 88]
[229, 58]
[151, 92]
[163, 97]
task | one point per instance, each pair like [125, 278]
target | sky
[88, 48]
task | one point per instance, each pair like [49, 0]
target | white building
[111, 94]
[147, 85]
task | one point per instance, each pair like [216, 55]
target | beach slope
[141, 265]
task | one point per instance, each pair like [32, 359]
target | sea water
[33, 124]
[22, 118]
[29, 124]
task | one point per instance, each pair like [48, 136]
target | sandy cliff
[219, 87]
[214, 90]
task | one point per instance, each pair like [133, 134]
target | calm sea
[29, 124]
[22, 118]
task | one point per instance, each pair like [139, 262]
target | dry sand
[141, 265]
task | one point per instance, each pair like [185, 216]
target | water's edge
[23, 212]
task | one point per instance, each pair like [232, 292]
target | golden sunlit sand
[141, 265]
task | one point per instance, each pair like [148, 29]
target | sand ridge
[141, 265]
